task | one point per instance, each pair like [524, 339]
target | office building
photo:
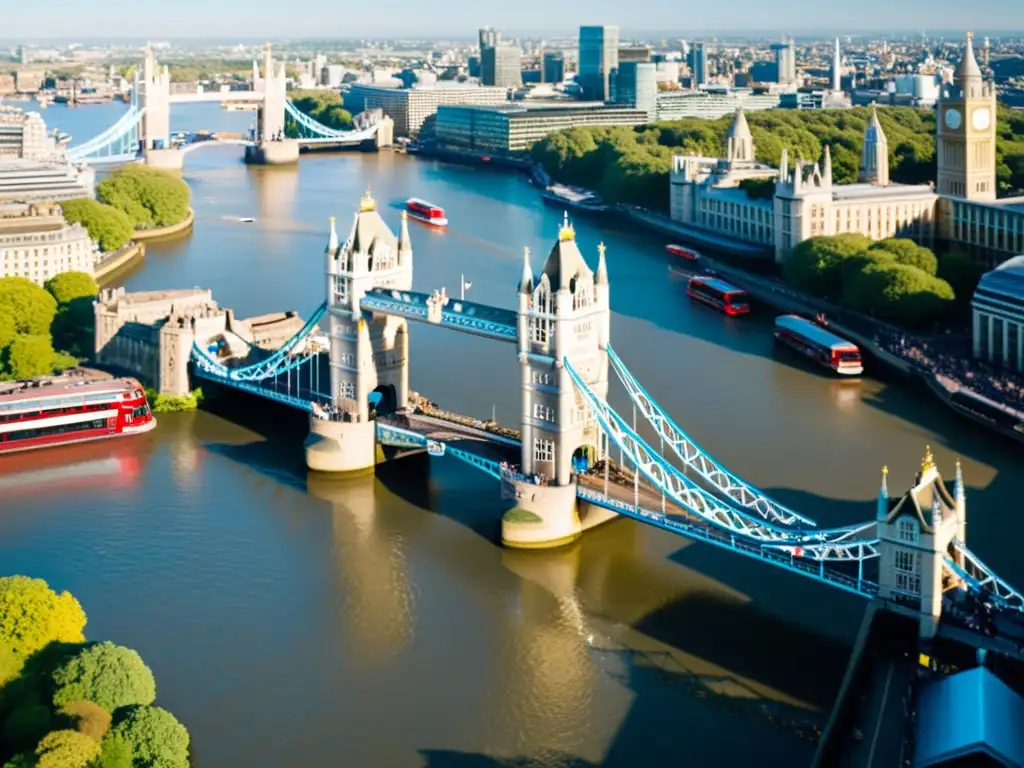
[554, 67]
[36, 243]
[501, 65]
[28, 181]
[784, 54]
[409, 107]
[489, 37]
[699, 69]
[958, 213]
[636, 86]
[711, 103]
[998, 314]
[639, 53]
[514, 128]
[23, 134]
[599, 57]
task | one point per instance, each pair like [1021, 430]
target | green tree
[87, 717]
[32, 615]
[758, 189]
[31, 307]
[150, 197]
[155, 737]
[910, 253]
[815, 265]
[961, 272]
[25, 726]
[28, 356]
[899, 293]
[68, 286]
[326, 107]
[108, 226]
[22, 760]
[115, 752]
[66, 749]
[109, 675]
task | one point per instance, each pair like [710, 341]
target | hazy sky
[24, 19]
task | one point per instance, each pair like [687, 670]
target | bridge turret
[404, 241]
[602, 298]
[882, 503]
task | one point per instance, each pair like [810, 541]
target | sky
[27, 20]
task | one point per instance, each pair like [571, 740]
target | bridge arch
[384, 399]
[584, 458]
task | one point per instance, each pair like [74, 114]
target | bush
[7, 329]
[815, 265]
[154, 736]
[108, 226]
[31, 307]
[29, 356]
[25, 726]
[109, 675]
[899, 293]
[73, 328]
[910, 253]
[32, 615]
[87, 717]
[66, 749]
[149, 197]
[115, 752]
[68, 286]
[22, 760]
[173, 403]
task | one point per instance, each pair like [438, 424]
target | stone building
[998, 315]
[36, 243]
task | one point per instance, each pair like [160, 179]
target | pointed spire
[602, 267]
[739, 141]
[958, 486]
[332, 240]
[566, 232]
[928, 461]
[404, 241]
[882, 502]
[526, 282]
[784, 165]
[366, 202]
[826, 171]
[874, 161]
[968, 70]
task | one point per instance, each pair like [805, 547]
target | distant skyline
[324, 19]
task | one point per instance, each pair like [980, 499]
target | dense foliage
[150, 197]
[631, 165]
[68, 704]
[160, 403]
[43, 330]
[326, 107]
[893, 280]
[107, 225]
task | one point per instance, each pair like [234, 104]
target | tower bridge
[144, 131]
[575, 459]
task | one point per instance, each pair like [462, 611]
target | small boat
[685, 253]
[426, 212]
[247, 219]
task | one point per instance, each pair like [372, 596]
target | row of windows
[60, 429]
[543, 412]
[543, 450]
[543, 379]
[908, 570]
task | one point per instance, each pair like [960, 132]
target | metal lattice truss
[478, 319]
[311, 131]
[280, 362]
[119, 143]
[792, 560]
[849, 544]
[701, 462]
[982, 580]
[406, 438]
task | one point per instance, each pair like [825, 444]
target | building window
[543, 412]
[908, 570]
[540, 330]
[908, 530]
[543, 450]
[340, 291]
[543, 379]
[347, 390]
[347, 359]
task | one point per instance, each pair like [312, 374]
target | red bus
[719, 294]
[60, 410]
[428, 212]
[820, 345]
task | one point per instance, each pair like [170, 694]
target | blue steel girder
[705, 465]
[704, 505]
[406, 438]
[311, 130]
[481, 319]
[247, 386]
[803, 563]
[982, 580]
[121, 140]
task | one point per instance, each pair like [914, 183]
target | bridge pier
[341, 447]
[544, 517]
[283, 152]
[165, 159]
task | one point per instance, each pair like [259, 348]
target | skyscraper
[501, 65]
[837, 64]
[599, 57]
[636, 86]
[699, 64]
[489, 37]
[785, 61]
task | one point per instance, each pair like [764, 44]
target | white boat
[247, 219]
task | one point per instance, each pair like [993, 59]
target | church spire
[739, 141]
[826, 171]
[874, 162]
[526, 282]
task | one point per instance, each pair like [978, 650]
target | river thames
[292, 620]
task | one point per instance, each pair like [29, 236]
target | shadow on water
[446, 758]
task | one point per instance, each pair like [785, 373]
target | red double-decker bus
[719, 294]
[39, 413]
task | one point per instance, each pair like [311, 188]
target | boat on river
[426, 212]
[574, 199]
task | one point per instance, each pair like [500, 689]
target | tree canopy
[150, 197]
[155, 737]
[66, 749]
[31, 307]
[73, 327]
[28, 316]
[108, 226]
[109, 675]
[32, 615]
[326, 107]
[68, 286]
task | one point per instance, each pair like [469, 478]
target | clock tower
[966, 145]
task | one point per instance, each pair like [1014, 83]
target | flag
[467, 285]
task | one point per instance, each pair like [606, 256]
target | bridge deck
[470, 439]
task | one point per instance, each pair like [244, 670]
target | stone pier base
[341, 447]
[165, 159]
[544, 517]
[284, 152]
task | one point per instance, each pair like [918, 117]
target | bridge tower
[563, 314]
[272, 148]
[915, 533]
[367, 355]
[153, 94]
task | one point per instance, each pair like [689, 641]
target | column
[976, 335]
[991, 338]
[1006, 342]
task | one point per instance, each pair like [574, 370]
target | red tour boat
[59, 410]
[428, 212]
[685, 253]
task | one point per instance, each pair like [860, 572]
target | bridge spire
[332, 240]
[404, 241]
[567, 232]
[882, 506]
[958, 486]
[367, 203]
[602, 267]
[526, 282]
[928, 462]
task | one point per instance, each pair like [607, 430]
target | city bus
[718, 294]
[820, 345]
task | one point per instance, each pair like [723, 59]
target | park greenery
[326, 107]
[68, 703]
[632, 164]
[151, 198]
[45, 329]
[894, 280]
[161, 403]
[107, 225]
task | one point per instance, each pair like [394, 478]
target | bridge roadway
[479, 441]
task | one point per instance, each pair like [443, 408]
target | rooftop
[875, 191]
[1007, 278]
[58, 386]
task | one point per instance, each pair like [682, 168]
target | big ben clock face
[952, 119]
[981, 119]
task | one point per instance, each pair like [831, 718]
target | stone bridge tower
[563, 314]
[153, 93]
[367, 354]
[270, 116]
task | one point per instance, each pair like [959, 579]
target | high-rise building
[785, 61]
[489, 37]
[699, 64]
[837, 64]
[967, 133]
[599, 57]
[636, 85]
[501, 65]
[634, 53]
[554, 67]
